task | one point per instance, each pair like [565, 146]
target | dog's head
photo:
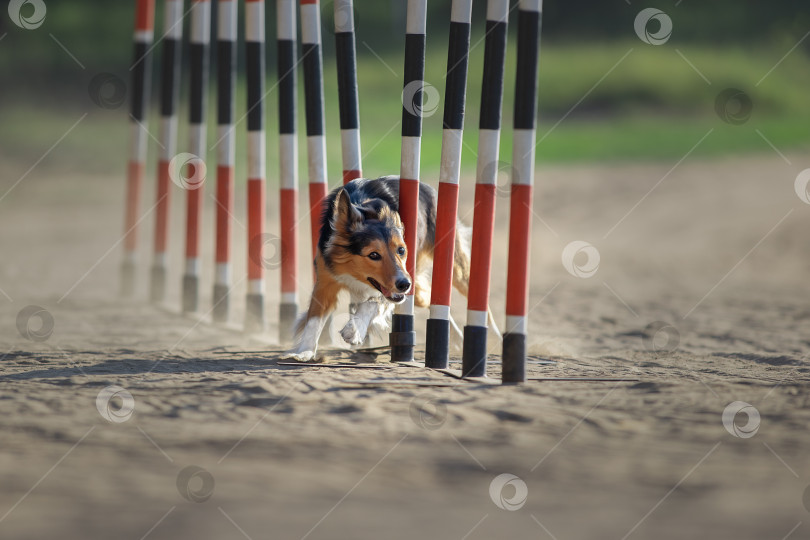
[368, 246]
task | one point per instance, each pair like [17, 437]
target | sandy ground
[716, 250]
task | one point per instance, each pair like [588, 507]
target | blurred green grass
[612, 102]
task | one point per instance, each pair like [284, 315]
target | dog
[361, 249]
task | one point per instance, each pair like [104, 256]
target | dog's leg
[310, 326]
[356, 329]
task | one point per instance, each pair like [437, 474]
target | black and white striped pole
[257, 163]
[169, 94]
[437, 347]
[200, 39]
[226, 155]
[288, 166]
[402, 337]
[474, 356]
[520, 212]
[140, 85]
[347, 90]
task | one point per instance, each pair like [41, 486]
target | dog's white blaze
[476, 318]
[438, 311]
[515, 324]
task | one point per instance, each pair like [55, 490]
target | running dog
[361, 249]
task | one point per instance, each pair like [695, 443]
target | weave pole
[140, 83]
[257, 163]
[520, 212]
[313, 109]
[437, 347]
[474, 356]
[199, 43]
[402, 337]
[288, 166]
[347, 90]
[169, 94]
[226, 154]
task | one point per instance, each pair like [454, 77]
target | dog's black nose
[403, 284]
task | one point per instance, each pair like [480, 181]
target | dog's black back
[386, 190]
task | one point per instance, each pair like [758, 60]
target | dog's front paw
[351, 334]
[299, 356]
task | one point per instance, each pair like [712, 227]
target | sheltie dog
[361, 249]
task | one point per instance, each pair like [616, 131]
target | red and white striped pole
[199, 43]
[288, 166]
[402, 337]
[140, 84]
[169, 90]
[226, 154]
[313, 96]
[520, 213]
[474, 357]
[257, 163]
[437, 347]
[347, 90]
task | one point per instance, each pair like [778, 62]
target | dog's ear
[346, 215]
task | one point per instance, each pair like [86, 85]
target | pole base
[254, 314]
[191, 285]
[127, 279]
[221, 307]
[287, 314]
[474, 357]
[437, 344]
[157, 284]
[402, 338]
[514, 358]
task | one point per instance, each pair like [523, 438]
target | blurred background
[621, 98]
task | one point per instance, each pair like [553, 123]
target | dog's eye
[374, 256]
[401, 251]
